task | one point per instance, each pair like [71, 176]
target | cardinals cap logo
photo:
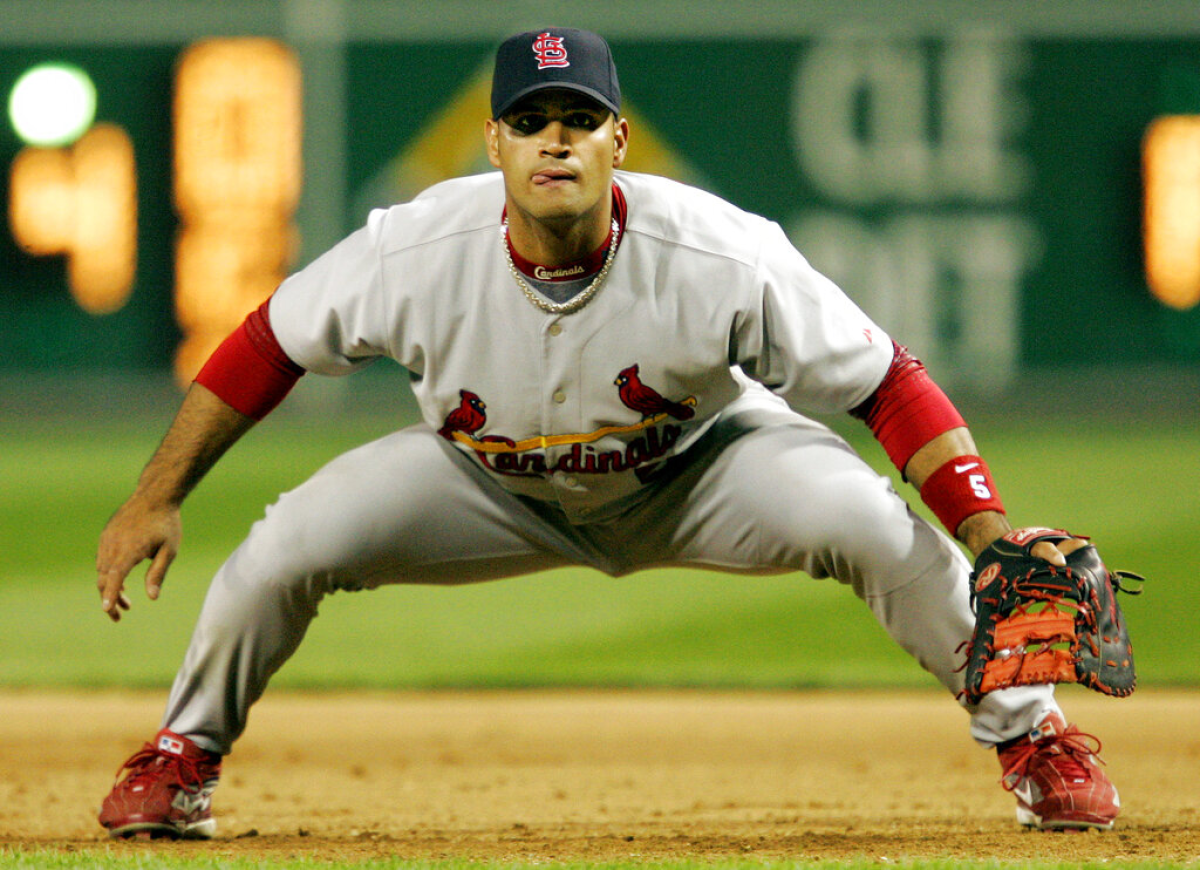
[550, 51]
[559, 57]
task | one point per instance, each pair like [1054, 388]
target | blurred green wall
[973, 181]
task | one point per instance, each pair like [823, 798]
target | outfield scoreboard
[975, 189]
[219, 169]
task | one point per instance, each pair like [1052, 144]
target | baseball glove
[1035, 623]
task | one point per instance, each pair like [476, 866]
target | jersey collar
[582, 268]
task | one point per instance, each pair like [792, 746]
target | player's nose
[555, 139]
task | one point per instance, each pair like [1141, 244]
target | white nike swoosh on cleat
[1024, 792]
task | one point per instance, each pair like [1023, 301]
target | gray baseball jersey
[634, 432]
[577, 409]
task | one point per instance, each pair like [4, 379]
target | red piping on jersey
[907, 410]
[249, 371]
[576, 269]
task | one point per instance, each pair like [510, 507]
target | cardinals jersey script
[581, 409]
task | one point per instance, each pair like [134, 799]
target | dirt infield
[603, 776]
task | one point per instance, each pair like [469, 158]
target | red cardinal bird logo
[468, 417]
[646, 400]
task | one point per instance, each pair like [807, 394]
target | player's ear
[491, 139]
[620, 142]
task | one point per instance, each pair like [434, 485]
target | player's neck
[555, 243]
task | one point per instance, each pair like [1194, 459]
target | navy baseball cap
[554, 57]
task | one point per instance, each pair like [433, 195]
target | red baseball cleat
[166, 792]
[1056, 780]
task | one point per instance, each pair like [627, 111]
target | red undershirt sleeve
[250, 371]
[907, 410]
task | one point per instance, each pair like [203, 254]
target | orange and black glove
[1036, 623]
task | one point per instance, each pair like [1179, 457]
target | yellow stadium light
[238, 127]
[1171, 220]
[81, 202]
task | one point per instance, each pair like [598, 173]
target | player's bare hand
[137, 532]
[1056, 552]
[980, 530]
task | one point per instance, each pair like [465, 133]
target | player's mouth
[553, 177]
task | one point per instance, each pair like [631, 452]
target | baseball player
[613, 370]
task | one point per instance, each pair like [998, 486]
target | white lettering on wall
[910, 143]
[947, 286]
[886, 120]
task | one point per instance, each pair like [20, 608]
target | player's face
[557, 150]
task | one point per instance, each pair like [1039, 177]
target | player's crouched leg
[796, 496]
[377, 514]
[788, 493]
[915, 581]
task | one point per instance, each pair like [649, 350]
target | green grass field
[1134, 486]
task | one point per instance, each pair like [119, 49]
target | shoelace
[1075, 747]
[148, 762]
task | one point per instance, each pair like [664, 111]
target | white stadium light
[52, 104]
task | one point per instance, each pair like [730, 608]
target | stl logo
[550, 51]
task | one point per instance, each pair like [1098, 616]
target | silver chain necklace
[575, 302]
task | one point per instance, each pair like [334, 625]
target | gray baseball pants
[764, 490]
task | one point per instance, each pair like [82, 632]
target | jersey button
[559, 397]
[556, 329]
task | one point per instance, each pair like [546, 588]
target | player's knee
[845, 508]
[286, 547]
[856, 529]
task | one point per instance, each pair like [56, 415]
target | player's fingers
[157, 571]
[1070, 545]
[110, 584]
[1056, 553]
[1049, 552]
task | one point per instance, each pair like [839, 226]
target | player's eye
[583, 120]
[528, 123]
